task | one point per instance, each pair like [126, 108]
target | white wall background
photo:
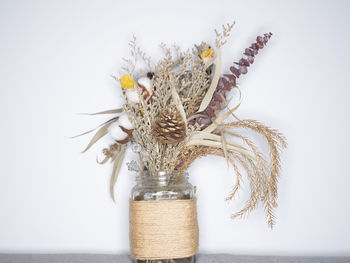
[56, 58]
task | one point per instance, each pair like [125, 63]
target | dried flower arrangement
[171, 117]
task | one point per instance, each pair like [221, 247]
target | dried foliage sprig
[229, 81]
[246, 61]
[171, 117]
[221, 37]
[136, 54]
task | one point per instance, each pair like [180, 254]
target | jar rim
[164, 176]
[163, 173]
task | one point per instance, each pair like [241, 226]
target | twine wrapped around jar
[163, 229]
[163, 218]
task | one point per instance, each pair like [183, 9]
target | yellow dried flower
[207, 53]
[127, 82]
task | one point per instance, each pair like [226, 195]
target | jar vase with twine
[163, 218]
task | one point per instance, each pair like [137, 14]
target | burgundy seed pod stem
[229, 80]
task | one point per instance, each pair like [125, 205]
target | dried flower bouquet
[175, 112]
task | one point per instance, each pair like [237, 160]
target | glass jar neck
[162, 178]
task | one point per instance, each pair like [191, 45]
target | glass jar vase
[161, 203]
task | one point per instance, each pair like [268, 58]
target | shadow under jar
[163, 218]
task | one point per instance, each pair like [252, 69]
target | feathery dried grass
[262, 174]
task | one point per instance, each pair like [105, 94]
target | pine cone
[169, 127]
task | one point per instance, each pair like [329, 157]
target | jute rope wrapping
[163, 229]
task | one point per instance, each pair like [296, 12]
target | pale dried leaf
[87, 132]
[215, 144]
[224, 148]
[98, 135]
[118, 160]
[220, 119]
[104, 112]
[208, 96]
[179, 105]
[202, 135]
